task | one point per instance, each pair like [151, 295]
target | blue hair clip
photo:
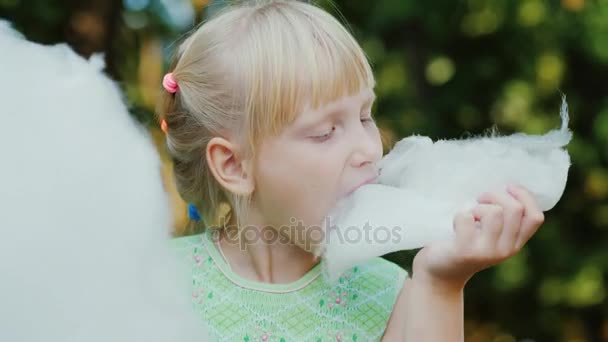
[193, 212]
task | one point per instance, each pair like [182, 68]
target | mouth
[368, 181]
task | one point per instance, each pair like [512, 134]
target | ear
[228, 168]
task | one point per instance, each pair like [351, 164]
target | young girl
[268, 110]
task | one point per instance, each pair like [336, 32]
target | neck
[259, 254]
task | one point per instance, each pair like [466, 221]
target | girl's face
[322, 156]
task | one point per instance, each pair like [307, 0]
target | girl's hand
[496, 229]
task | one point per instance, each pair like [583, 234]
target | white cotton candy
[84, 219]
[423, 184]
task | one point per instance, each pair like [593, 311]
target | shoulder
[394, 327]
[384, 264]
[371, 290]
[185, 241]
[187, 247]
[378, 278]
[384, 272]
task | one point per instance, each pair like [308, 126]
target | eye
[326, 136]
[367, 119]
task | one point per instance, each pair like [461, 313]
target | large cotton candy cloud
[84, 219]
[424, 184]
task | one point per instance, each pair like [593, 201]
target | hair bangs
[300, 60]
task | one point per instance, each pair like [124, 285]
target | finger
[490, 217]
[533, 216]
[464, 227]
[524, 196]
[512, 214]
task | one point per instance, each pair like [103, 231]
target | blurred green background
[445, 69]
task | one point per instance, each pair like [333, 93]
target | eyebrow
[369, 100]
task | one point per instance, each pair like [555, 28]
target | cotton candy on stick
[424, 184]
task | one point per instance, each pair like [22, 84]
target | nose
[367, 147]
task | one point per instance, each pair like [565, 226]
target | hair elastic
[169, 83]
[193, 212]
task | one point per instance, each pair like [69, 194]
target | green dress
[354, 308]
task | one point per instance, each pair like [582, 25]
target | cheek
[323, 186]
[300, 184]
[313, 186]
[377, 138]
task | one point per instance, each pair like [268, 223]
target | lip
[369, 181]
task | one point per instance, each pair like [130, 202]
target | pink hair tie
[169, 83]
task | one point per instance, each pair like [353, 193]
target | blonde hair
[249, 71]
